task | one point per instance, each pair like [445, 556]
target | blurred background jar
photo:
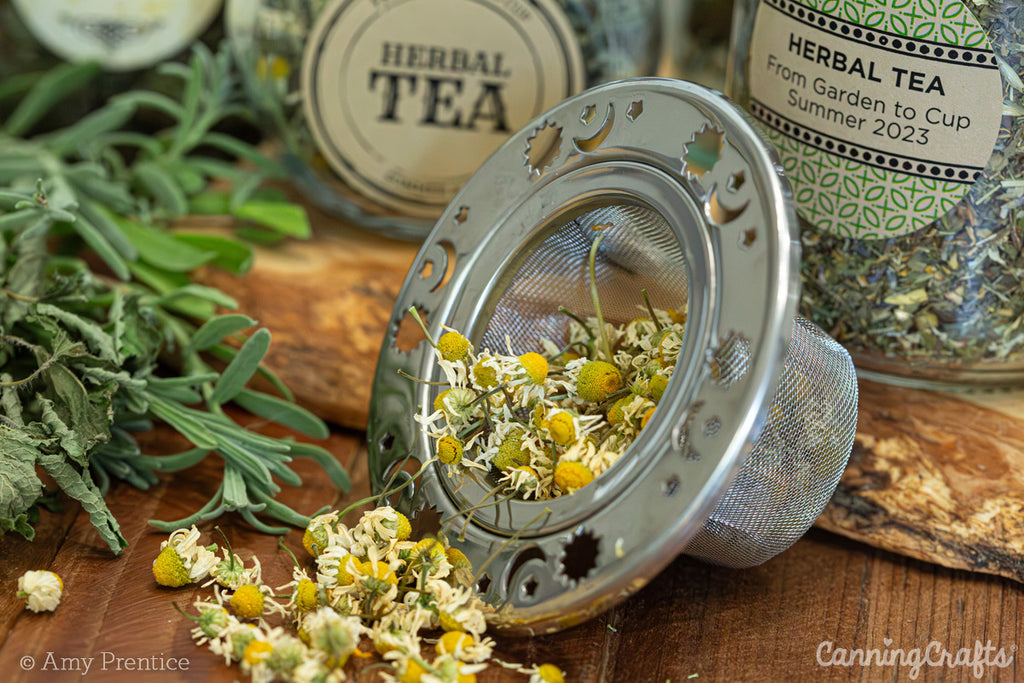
[127, 39]
[383, 108]
[899, 125]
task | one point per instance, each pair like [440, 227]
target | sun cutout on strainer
[703, 151]
[542, 148]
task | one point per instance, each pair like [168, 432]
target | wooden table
[694, 622]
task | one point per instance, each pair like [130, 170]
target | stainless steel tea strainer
[757, 423]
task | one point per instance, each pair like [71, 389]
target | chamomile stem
[406, 375]
[419, 321]
[389, 492]
[650, 309]
[605, 346]
[511, 539]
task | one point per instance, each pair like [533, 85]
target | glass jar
[899, 125]
[384, 108]
[121, 35]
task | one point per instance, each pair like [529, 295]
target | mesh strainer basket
[757, 423]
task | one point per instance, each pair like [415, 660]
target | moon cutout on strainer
[589, 145]
[718, 211]
[542, 148]
[703, 151]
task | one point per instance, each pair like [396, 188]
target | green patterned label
[884, 112]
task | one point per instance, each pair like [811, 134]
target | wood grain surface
[825, 596]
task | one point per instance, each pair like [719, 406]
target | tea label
[884, 115]
[406, 98]
[119, 34]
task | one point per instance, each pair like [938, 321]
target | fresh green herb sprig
[102, 329]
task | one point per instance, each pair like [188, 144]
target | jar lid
[694, 210]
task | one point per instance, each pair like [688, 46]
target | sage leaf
[163, 249]
[242, 367]
[217, 328]
[282, 217]
[282, 412]
[50, 89]
[229, 255]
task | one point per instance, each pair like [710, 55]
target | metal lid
[693, 206]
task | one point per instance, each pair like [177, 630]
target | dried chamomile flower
[40, 589]
[547, 673]
[372, 581]
[211, 621]
[597, 379]
[571, 476]
[335, 636]
[182, 560]
[248, 602]
[535, 365]
[449, 450]
[169, 569]
[317, 535]
[453, 346]
[336, 567]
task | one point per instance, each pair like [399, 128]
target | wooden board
[938, 477]
[694, 622]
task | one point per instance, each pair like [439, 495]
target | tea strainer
[757, 423]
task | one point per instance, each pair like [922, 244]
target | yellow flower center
[647, 417]
[306, 597]
[484, 375]
[247, 602]
[380, 570]
[549, 673]
[345, 577]
[169, 570]
[617, 413]
[257, 651]
[458, 560]
[570, 476]
[314, 539]
[562, 429]
[404, 527]
[657, 386]
[449, 450]
[453, 346]
[511, 452]
[413, 672]
[449, 622]
[536, 366]
[453, 640]
[597, 379]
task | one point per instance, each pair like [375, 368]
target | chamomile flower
[547, 673]
[335, 636]
[40, 589]
[572, 476]
[196, 560]
[336, 567]
[212, 621]
[466, 647]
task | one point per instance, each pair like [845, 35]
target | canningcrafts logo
[936, 655]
